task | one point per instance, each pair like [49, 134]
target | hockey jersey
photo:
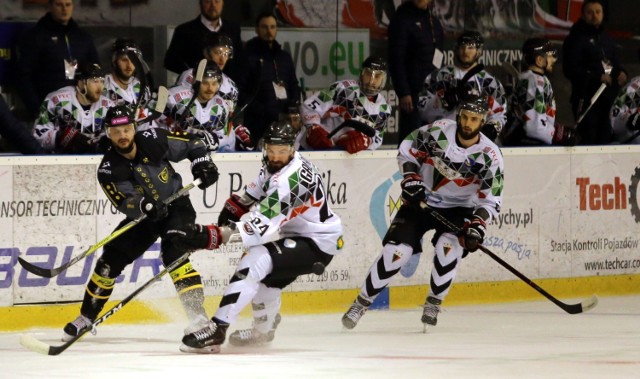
[130, 95]
[61, 108]
[533, 106]
[436, 84]
[291, 202]
[228, 88]
[626, 105]
[455, 176]
[341, 101]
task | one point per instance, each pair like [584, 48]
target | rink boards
[569, 220]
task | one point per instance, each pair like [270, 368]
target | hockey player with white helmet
[533, 104]
[359, 103]
[451, 167]
[285, 221]
[444, 88]
[71, 118]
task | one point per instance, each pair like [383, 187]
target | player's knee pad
[186, 278]
[396, 255]
[447, 248]
[254, 266]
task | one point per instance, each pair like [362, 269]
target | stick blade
[43, 272]
[589, 303]
[32, 343]
[202, 65]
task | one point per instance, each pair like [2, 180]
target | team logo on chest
[164, 175]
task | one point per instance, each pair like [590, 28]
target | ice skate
[355, 312]
[206, 340]
[76, 327]
[430, 311]
[253, 337]
[196, 324]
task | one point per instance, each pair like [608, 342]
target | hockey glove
[353, 141]
[472, 234]
[318, 138]
[155, 210]
[210, 140]
[491, 130]
[71, 140]
[243, 139]
[232, 211]
[564, 135]
[413, 191]
[204, 169]
[633, 122]
[450, 99]
[196, 237]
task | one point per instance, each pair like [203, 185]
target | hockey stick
[594, 98]
[158, 110]
[584, 306]
[50, 273]
[33, 344]
[202, 65]
[143, 73]
[357, 125]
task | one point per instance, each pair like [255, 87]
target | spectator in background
[415, 49]
[445, 88]
[16, 132]
[356, 103]
[533, 104]
[270, 83]
[49, 54]
[185, 49]
[590, 60]
[71, 118]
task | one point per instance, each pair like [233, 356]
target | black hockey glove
[413, 191]
[71, 141]
[204, 169]
[472, 234]
[232, 211]
[210, 140]
[633, 122]
[450, 99]
[193, 237]
[155, 210]
[491, 130]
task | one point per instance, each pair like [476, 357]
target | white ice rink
[516, 340]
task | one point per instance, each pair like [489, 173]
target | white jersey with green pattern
[291, 203]
[626, 105]
[534, 106]
[455, 176]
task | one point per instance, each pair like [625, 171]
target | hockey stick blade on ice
[33, 344]
[161, 104]
[583, 306]
[51, 272]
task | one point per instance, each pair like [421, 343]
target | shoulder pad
[113, 168]
[152, 143]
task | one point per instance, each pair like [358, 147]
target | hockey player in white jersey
[625, 113]
[453, 168]
[286, 224]
[218, 48]
[533, 104]
[204, 113]
[356, 101]
[121, 85]
[71, 118]
[443, 88]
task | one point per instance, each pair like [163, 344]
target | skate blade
[214, 349]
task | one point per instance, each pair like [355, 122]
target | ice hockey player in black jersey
[137, 176]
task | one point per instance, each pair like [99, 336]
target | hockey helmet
[212, 71]
[119, 115]
[214, 39]
[124, 45]
[375, 69]
[90, 71]
[475, 103]
[534, 47]
[470, 38]
[280, 133]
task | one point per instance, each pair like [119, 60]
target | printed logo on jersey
[163, 176]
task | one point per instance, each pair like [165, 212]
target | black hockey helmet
[534, 47]
[89, 71]
[472, 38]
[475, 103]
[211, 70]
[122, 45]
[214, 39]
[280, 133]
[376, 67]
[119, 115]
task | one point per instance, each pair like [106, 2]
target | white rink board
[542, 231]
